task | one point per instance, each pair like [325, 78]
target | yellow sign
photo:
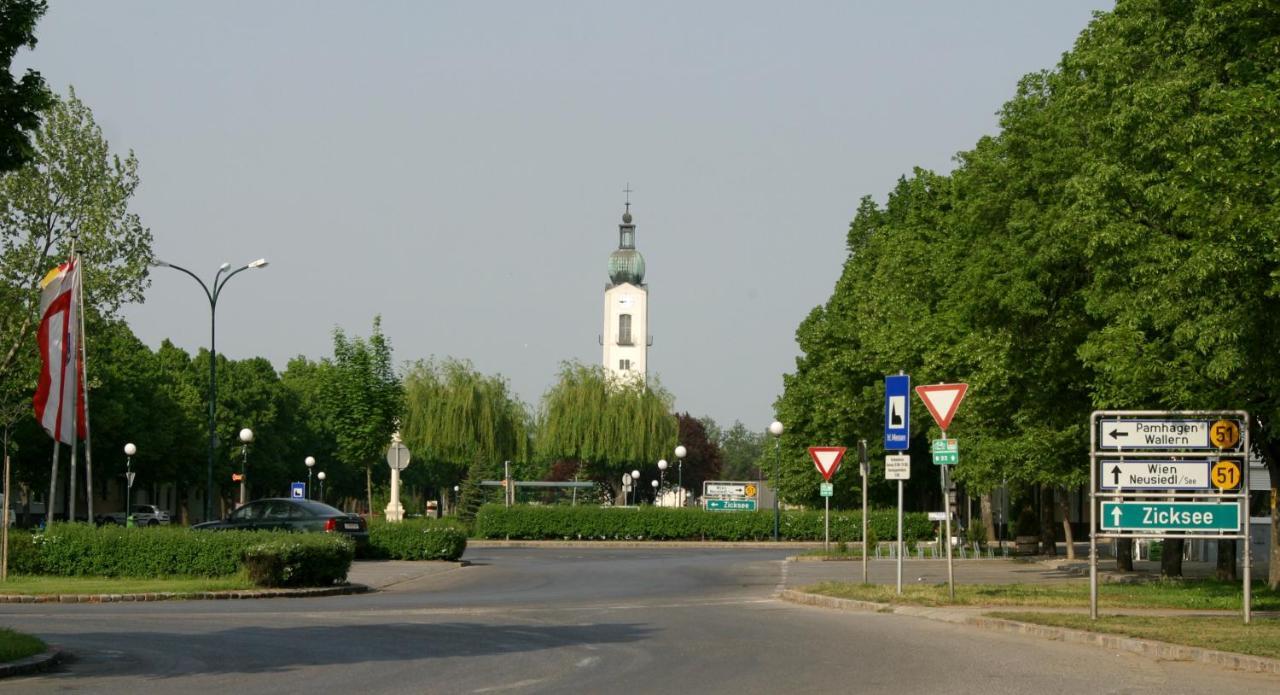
[750, 490]
[1225, 475]
[1224, 434]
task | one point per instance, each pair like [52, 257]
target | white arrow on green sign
[1171, 516]
[946, 452]
[747, 505]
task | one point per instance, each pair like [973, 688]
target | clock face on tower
[625, 300]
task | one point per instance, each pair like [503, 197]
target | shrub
[659, 523]
[24, 555]
[417, 539]
[1028, 524]
[299, 559]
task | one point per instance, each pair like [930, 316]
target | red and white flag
[59, 400]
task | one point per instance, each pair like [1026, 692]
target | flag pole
[82, 382]
[53, 486]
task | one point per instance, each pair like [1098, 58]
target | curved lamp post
[680, 453]
[129, 451]
[246, 438]
[775, 428]
[219, 281]
[311, 463]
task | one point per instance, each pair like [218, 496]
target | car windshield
[319, 508]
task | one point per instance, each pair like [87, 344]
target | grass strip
[1175, 594]
[34, 585]
[16, 645]
[1259, 638]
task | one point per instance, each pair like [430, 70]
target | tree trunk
[1273, 573]
[1063, 506]
[1124, 554]
[1171, 558]
[1048, 543]
[1226, 570]
[368, 488]
[988, 518]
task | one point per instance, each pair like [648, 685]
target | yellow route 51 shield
[1225, 434]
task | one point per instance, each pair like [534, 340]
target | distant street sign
[942, 400]
[731, 505]
[1154, 475]
[827, 459]
[1225, 475]
[826, 489]
[297, 490]
[946, 452]
[937, 516]
[897, 412]
[398, 456]
[897, 467]
[1141, 435]
[1171, 516]
[734, 489]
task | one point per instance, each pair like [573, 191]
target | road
[575, 620]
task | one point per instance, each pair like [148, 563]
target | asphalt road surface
[566, 620]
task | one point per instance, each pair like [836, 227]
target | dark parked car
[284, 514]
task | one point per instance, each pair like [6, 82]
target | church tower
[626, 308]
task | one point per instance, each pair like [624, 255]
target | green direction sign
[731, 505]
[946, 452]
[826, 489]
[1171, 516]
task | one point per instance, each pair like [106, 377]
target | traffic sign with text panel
[1154, 475]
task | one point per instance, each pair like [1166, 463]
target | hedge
[300, 559]
[417, 539]
[72, 550]
[530, 522]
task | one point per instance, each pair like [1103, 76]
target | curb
[188, 596]
[641, 544]
[1149, 648]
[33, 664]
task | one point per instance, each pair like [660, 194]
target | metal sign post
[862, 464]
[898, 467]
[1190, 470]
[946, 496]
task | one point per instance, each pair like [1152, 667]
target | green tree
[703, 460]
[455, 417]
[22, 100]
[73, 188]
[362, 399]
[740, 452]
[610, 425]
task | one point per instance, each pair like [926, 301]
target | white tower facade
[626, 309]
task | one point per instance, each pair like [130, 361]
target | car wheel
[153, 522]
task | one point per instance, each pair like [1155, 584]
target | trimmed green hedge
[73, 550]
[417, 539]
[300, 559]
[529, 522]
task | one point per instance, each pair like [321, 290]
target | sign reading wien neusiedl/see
[1171, 516]
[1154, 475]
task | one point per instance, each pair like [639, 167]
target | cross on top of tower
[628, 191]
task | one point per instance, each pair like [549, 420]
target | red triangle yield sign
[827, 459]
[942, 401]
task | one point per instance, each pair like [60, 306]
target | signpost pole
[946, 497]
[900, 544]
[1093, 518]
[1244, 514]
[862, 461]
[826, 526]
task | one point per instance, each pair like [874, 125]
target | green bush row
[73, 550]
[417, 539]
[530, 522]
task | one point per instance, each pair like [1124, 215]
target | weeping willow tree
[455, 417]
[610, 425]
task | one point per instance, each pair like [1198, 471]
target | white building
[626, 308]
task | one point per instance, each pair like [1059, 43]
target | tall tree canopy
[21, 100]
[611, 425]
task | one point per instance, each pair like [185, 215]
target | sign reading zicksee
[731, 505]
[1171, 516]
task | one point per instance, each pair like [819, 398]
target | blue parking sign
[297, 490]
[897, 412]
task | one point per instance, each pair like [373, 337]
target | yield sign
[827, 459]
[942, 401]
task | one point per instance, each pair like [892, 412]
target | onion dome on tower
[626, 264]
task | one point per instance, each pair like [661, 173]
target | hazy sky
[458, 167]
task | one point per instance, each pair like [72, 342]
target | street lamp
[129, 451]
[320, 477]
[246, 437]
[311, 462]
[662, 475]
[775, 428]
[654, 483]
[635, 487]
[219, 281]
[680, 452]
[456, 490]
